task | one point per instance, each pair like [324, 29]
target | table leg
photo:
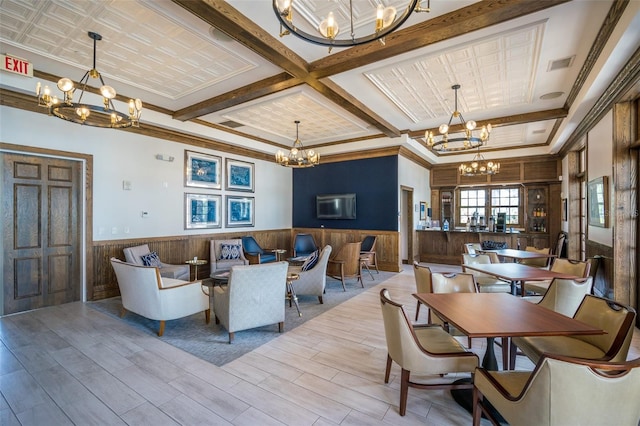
[292, 295]
[489, 361]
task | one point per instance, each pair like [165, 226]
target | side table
[195, 263]
[279, 253]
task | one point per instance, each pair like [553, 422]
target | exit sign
[16, 65]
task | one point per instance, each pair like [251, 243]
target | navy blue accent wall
[373, 180]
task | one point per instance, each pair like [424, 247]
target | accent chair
[256, 254]
[312, 281]
[346, 263]
[224, 254]
[304, 245]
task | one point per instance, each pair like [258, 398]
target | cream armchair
[253, 298]
[486, 283]
[134, 255]
[578, 268]
[561, 391]
[313, 281]
[152, 296]
[224, 254]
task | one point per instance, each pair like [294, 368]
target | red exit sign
[16, 65]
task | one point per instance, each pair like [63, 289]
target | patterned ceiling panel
[276, 116]
[186, 62]
[495, 72]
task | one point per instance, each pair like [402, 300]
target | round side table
[195, 263]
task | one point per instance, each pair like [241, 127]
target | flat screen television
[336, 206]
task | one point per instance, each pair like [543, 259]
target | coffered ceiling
[221, 65]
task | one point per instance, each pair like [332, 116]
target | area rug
[210, 341]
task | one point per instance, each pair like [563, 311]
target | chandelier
[479, 166]
[460, 143]
[298, 156]
[384, 21]
[104, 115]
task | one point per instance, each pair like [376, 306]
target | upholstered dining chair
[561, 244]
[578, 268]
[145, 292]
[425, 350]
[256, 254]
[540, 262]
[141, 255]
[472, 248]
[615, 319]
[422, 275]
[452, 283]
[304, 245]
[346, 264]
[312, 281]
[560, 391]
[486, 283]
[368, 253]
[223, 254]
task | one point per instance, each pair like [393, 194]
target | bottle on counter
[468, 224]
[445, 225]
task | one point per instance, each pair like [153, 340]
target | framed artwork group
[204, 211]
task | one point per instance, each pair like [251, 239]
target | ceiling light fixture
[298, 156]
[479, 166]
[461, 143]
[104, 115]
[385, 20]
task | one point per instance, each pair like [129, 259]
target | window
[488, 202]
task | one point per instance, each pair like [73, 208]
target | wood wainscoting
[387, 243]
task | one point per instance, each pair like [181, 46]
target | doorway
[406, 225]
[42, 231]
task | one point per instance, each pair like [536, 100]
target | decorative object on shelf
[598, 202]
[104, 115]
[202, 211]
[239, 175]
[240, 211]
[460, 143]
[325, 32]
[479, 166]
[423, 210]
[202, 170]
[298, 156]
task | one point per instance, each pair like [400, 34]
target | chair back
[559, 250]
[134, 254]
[350, 254]
[541, 262]
[614, 318]
[369, 243]
[476, 259]
[453, 283]
[223, 254]
[250, 245]
[471, 248]
[579, 268]
[565, 295]
[139, 287]
[422, 275]
[304, 245]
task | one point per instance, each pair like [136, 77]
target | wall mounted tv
[336, 206]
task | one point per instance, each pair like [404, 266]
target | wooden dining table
[517, 273]
[519, 254]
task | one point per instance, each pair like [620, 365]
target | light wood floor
[73, 365]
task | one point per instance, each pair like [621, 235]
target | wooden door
[41, 231]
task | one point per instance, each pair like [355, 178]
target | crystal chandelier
[298, 156]
[384, 19]
[459, 143]
[479, 166]
[104, 115]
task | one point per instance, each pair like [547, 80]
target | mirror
[598, 202]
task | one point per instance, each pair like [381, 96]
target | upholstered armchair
[561, 391]
[368, 253]
[422, 275]
[472, 248]
[224, 254]
[452, 283]
[304, 245]
[421, 350]
[312, 281]
[138, 254]
[253, 298]
[145, 292]
[345, 263]
[578, 268]
[486, 283]
[256, 254]
[540, 262]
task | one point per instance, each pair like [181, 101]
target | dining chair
[616, 319]
[368, 253]
[472, 248]
[560, 390]
[422, 350]
[578, 268]
[486, 283]
[560, 249]
[543, 262]
[422, 276]
[346, 264]
[452, 283]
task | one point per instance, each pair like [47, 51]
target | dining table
[517, 273]
[516, 254]
[499, 315]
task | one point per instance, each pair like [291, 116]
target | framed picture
[202, 211]
[240, 211]
[239, 175]
[598, 202]
[202, 170]
[423, 210]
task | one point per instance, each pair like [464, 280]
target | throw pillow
[151, 259]
[311, 261]
[230, 251]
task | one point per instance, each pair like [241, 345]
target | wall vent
[559, 64]
[231, 124]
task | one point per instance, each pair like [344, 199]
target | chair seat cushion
[151, 259]
[537, 286]
[180, 272]
[437, 341]
[512, 381]
[230, 251]
[311, 261]
[534, 346]
[267, 257]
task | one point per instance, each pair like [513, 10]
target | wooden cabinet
[537, 209]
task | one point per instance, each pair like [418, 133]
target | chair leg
[123, 312]
[387, 371]
[344, 288]
[512, 355]
[418, 310]
[161, 329]
[207, 316]
[320, 300]
[231, 336]
[216, 318]
[404, 390]
[477, 411]
[375, 262]
[280, 326]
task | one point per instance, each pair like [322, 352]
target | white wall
[157, 186]
[600, 163]
[417, 177]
